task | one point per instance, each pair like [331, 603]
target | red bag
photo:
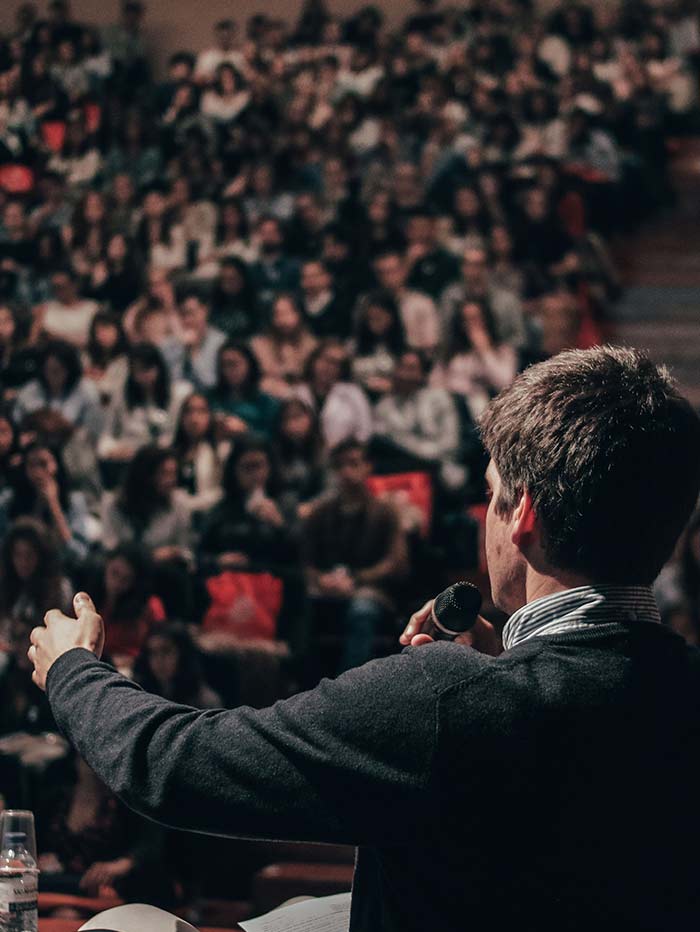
[246, 605]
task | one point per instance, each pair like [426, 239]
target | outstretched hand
[481, 636]
[61, 634]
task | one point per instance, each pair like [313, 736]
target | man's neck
[539, 585]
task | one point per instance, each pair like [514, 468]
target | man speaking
[552, 787]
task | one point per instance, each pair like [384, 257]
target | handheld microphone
[455, 610]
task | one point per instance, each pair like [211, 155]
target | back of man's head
[610, 454]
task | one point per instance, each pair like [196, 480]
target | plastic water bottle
[18, 885]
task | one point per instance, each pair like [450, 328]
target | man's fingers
[420, 639]
[416, 622]
[53, 616]
[83, 603]
[36, 635]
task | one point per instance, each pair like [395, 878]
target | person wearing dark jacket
[246, 530]
[553, 786]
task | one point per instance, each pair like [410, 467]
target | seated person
[354, 553]
[379, 341]
[246, 530]
[149, 509]
[168, 665]
[237, 401]
[146, 408]
[23, 706]
[66, 316]
[42, 490]
[342, 407]
[199, 456]
[283, 350]
[476, 364]
[60, 387]
[417, 427]
[95, 846]
[123, 592]
[298, 458]
[192, 354]
[104, 359]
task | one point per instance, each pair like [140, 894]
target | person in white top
[418, 312]
[224, 51]
[342, 407]
[145, 411]
[66, 316]
[227, 98]
[476, 365]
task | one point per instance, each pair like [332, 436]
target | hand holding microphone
[453, 616]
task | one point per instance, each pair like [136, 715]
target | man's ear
[524, 521]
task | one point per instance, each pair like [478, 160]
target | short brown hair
[610, 454]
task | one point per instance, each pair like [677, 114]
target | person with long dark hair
[124, 592]
[160, 239]
[246, 530]
[18, 361]
[233, 301]
[237, 401]
[30, 574]
[230, 239]
[379, 341]
[147, 508]
[118, 277]
[475, 363]
[198, 455]
[298, 450]
[42, 491]
[168, 665]
[10, 456]
[226, 99]
[283, 350]
[342, 407]
[145, 410]
[60, 386]
[105, 357]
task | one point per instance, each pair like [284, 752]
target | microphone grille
[457, 607]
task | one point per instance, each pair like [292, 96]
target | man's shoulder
[447, 665]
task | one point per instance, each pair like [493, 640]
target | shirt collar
[579, 608]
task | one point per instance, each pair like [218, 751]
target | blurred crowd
[252, 309]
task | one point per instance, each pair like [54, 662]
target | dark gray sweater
[554, 787]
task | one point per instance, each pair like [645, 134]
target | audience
[303, 243]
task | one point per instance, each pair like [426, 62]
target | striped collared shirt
[577, 609]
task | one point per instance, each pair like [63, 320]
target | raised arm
[317, 766]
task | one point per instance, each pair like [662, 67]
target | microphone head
[456, 608]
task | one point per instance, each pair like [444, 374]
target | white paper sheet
[135, 917]
[322, 914]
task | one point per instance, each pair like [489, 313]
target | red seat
[16, 179]
[93, 117]
[407, 489]
[53, 132]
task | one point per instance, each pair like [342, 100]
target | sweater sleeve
[336, 764]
